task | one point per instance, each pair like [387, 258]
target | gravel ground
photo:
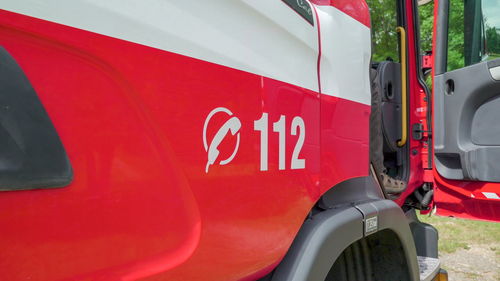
[469, 250]
[479, 262]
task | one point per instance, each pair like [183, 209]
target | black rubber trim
[31, 153]
[318, 244]
[324, 236]
[425, 236]
[350, 191]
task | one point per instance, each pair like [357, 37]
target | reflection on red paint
[141, 204]
[357, 9]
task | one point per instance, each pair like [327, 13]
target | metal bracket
[418, 131]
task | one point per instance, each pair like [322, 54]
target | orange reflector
[441, 276]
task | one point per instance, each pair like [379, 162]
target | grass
[457, 234]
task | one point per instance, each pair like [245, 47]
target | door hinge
[418, 131]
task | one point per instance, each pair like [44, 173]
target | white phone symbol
[232, 125]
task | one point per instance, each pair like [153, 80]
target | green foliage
[456, 35]
[426, 17]
[493, 40]
[457, 234]
[384, 35]
[426, 20]
[385, 38]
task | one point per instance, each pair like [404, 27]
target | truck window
[426, 24]
[474, 32]
[384, 21]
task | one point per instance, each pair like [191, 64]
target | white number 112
[261, 125]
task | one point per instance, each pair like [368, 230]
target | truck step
[429, 267]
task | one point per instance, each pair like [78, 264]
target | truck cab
[242, 140]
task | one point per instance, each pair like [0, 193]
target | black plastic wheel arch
[325, 235]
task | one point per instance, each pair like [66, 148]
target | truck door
[466, 108]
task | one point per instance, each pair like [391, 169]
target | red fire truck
[238, 139]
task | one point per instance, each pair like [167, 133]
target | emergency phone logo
[230, 128]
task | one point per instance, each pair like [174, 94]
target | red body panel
[465, 199]
[141, 204]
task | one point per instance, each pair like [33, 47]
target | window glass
[473, 32]
[426, 28]
[384, 21]
[491, 11]
[426, 24]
